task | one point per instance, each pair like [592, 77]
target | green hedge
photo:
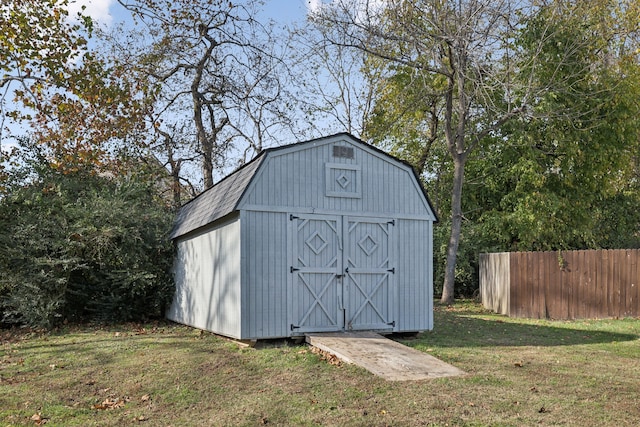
[81, 247]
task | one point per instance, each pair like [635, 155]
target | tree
[458, 45]
[39, 43]
[576, 155]
[217, 61]
[334, 83]
[77, 105]
[459, 59]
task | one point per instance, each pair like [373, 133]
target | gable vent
[343, 152]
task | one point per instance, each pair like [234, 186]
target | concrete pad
[382, 356]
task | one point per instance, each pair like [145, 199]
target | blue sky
[108, 12]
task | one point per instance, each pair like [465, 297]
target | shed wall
[414, 275]
[208, 281]
[302, 179]
[264, 270]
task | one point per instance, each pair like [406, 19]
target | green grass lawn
[519, 372]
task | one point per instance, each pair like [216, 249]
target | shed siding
[237, 276]
[297, 179]
[264, 263]
[207, 276]
[414, 275]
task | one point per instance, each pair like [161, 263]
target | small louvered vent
[343, 152]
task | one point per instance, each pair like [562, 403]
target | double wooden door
[342, 272]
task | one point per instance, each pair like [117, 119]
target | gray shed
[330, 234]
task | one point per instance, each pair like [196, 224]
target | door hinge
[392, 324]
[392, 270]
[392, 222]
[292, 269]
[292, 217]
[294, 327]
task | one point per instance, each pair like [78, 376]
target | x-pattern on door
[342, 273]
[369, 273]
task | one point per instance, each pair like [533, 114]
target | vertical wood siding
[265, 275]
[563, 285]
[235, 279]
[414, 276]
[494, 281]
[207, 276]
[297, 179]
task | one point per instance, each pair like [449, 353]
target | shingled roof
[216, 202]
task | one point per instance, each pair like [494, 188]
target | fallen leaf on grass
[519, 364]
[111, 403]
[543, 410]
[38, 419]
[145, 398]
[331, 359]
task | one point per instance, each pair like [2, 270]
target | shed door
[369, 271]
[342, 273]
[316, 245]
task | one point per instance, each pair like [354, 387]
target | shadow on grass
[471, 328]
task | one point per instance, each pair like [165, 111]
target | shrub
[83, 247]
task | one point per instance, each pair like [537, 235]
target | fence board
[562, 285]
[554, 289]
[494, 281]
[635, 286]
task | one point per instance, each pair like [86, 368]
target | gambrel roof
[224, 197]
[216, 202]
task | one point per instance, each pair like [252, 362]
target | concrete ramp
[382, 356]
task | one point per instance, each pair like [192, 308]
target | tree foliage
[575, 156]
[78, 106]
[80, 246]
[531, 108]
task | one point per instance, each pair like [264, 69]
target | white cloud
[314, 6]
[98, 10]
[360, 8]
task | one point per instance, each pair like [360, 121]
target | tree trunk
[459, 161]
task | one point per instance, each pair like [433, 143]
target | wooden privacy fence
[563, 284]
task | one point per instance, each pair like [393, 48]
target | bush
[83, 247]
